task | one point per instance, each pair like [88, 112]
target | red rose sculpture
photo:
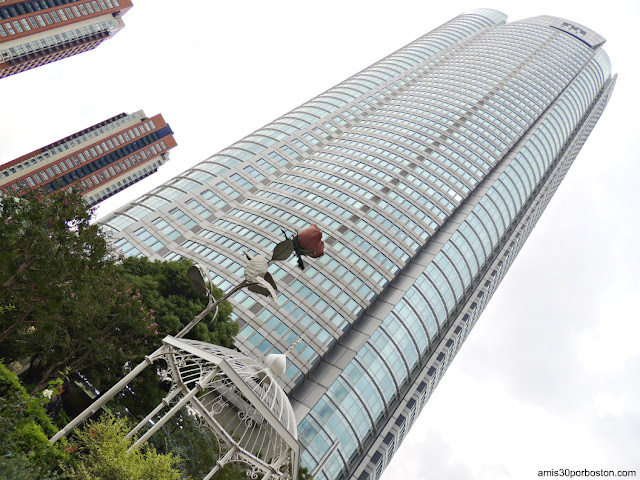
[310, 242]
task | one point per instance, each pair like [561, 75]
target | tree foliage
[195, 448]
[102, 449]
[25, 451]
[98, 451]
[165, 290]
[46, 245]
[67, 302]
[62, 301]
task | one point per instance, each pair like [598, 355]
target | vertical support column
[220, 463]
[108, 395]
[164, 403]
[192, 393]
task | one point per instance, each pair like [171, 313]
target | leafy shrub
[25, 430]
[103, 455]
[20, 467]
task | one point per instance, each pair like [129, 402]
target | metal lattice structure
[233, 396]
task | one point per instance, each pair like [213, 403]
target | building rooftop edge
[44, 148]
[575, 29]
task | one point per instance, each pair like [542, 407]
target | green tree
[98, 451]
[62, 302]
[165, 291]
[67, 302]
[25, 451]
[303, 473]
[103, 455]
[46, 244]
[196, 448]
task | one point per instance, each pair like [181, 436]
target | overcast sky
[550, 376]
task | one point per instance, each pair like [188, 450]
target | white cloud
[612, 343]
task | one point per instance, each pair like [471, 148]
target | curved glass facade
[426, 171]
[404, 338]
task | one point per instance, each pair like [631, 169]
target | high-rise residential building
[103, 159]
[427, 171]
[36, 32]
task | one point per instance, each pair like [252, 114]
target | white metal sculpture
[235, 397]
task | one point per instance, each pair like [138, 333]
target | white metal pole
[220, 463]
[213, 303]
[192, 393]
[163, 403]
[108, 395]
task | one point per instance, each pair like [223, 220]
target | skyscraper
[104, 158]
[427, 171]
[36, 32]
